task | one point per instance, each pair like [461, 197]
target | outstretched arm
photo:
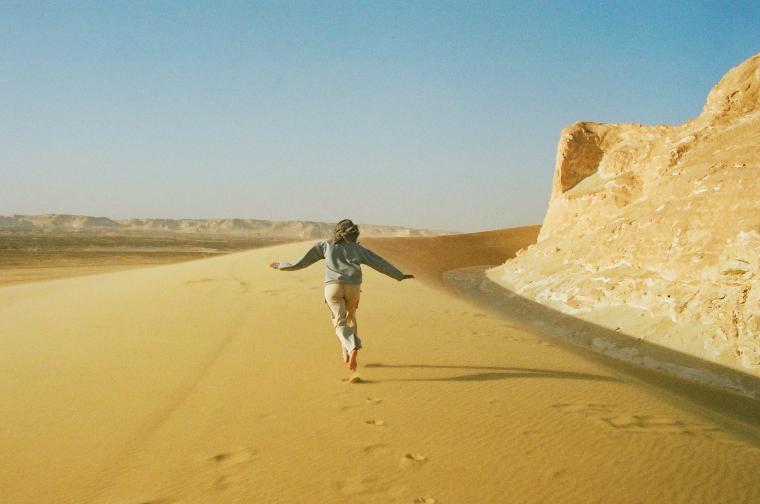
[376, 262]
[314, 254]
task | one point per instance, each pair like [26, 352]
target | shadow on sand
[726, 396]
[496, 373]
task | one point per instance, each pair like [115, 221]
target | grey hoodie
[343, 262]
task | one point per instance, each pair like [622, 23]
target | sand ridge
[220, 380]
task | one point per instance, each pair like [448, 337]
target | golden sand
[220, 381]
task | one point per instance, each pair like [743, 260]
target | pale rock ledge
[654, 230]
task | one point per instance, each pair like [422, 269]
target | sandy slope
[220, 381]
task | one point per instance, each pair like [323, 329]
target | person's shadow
[488, 373]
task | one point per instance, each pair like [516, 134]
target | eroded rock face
[655, 230]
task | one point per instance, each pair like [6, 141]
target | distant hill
[55, 222]
[248, 227]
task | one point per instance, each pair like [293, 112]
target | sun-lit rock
[654, 229]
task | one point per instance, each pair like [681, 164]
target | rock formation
[654, 231]
[291, 230]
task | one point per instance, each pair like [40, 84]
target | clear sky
[427, 114]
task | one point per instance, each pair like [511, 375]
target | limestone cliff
[654, 231]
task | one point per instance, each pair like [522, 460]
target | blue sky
[427, 114]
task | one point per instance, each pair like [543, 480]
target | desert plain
[220, 380]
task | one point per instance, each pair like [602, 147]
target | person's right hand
[408, 277]
[273, 265]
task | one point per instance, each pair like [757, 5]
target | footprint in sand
[555, 473]
[610, 417]
[353, 380]
[375, 422]
[651, 424]
[369, 400]
[375, 448]
[358, 486]
[413, 459]
[349, 407]
[223, 483]
[232, 457]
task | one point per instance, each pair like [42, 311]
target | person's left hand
[273, 265]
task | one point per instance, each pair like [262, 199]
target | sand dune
[219, 380]
[431, 256]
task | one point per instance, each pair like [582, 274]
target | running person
[343, 257]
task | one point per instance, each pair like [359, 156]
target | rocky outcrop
[654, 231]
[56, 221]
[292, 230]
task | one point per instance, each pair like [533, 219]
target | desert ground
[29, 256]
[219, 380]
[43, 247]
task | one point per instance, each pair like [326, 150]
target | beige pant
[343, 301]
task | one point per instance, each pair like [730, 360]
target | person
[343, 257]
